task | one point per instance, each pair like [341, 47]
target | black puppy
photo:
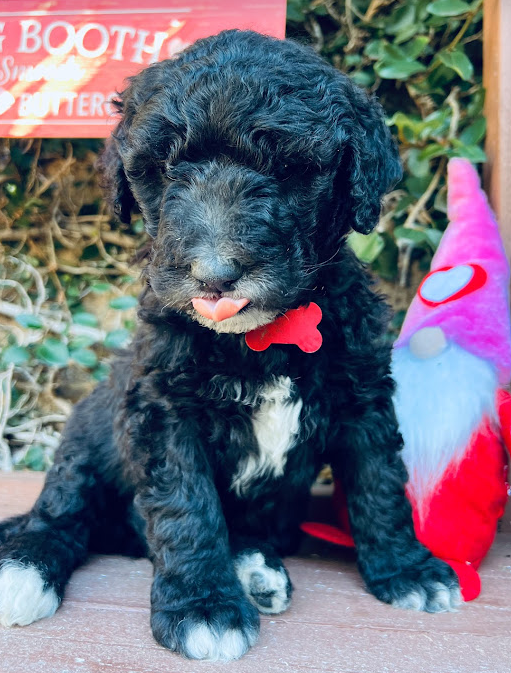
[250, 160]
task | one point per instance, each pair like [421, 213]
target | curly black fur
[250, 160]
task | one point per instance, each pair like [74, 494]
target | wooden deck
[332, 626]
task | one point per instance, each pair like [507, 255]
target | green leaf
[434, 150]
[374, 49]
[473, 153]
[351, 60]
[35, 459]
[99, 288]
[296, 10]
[117, 338]
[406, 34]
[476, 105]
[434, 237]
[415, 48]
[474, 133]
[419, 237]
[417, 165]
[366, 248]
[320, 10]
[440, 203]
[416, 236]
[15, 355]
[448, 7]
[85, 319]
[11, 188]
[85, 357]
[123, 303]
[391, 52]
[82, 341]
[385, 265]
[398, 69]
[417, 186]
[53, 352]
[402, 17]
[402, 205]
[459, 62]
[364, 78]
[29, 320]
[101, 372]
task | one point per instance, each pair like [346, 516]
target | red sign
[62, 61]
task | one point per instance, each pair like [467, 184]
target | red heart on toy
[298, 326]
[450, 283]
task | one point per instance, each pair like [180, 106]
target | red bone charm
[297, 326]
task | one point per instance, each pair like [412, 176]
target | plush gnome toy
[451, 364]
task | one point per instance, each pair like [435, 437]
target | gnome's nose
[428, 342]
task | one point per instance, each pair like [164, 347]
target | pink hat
[466, 293]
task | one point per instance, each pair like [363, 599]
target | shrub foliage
[423, 60]
[67, 277]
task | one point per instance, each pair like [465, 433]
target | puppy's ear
[370, 163]
[115, 182]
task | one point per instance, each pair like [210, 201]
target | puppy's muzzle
[216, 275]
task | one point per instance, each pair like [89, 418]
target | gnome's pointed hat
[466, 293]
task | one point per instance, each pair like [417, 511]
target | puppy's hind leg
[39, 550]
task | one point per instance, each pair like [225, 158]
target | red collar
[297, 326]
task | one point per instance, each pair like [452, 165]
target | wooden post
[497, 82]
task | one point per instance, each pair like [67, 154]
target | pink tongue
[218, 309]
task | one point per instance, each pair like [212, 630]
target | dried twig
[5, 404]
[35, 423]
[419, 206]
[39, 283]
[110, 237]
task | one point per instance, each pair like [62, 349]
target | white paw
[266, 588]
[23, 597]
[203, 642]
[440, 598]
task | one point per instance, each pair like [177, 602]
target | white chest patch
[276, 425]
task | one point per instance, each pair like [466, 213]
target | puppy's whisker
[169, 304]
[327, 262]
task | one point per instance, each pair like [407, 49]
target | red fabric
[460, 521]
[324, 531]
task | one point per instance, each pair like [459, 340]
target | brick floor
[332, 626]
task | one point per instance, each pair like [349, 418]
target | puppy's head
[250, 160]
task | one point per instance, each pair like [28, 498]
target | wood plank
[333, 625]
[497, 82]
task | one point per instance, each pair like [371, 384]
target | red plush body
[460, 521]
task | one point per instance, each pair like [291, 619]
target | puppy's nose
[217, 275]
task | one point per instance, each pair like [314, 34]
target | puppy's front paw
[268, 588]
[209, 630]
[431, 586]
[24, 596]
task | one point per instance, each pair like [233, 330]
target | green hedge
[423, 60]
[61, 255]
